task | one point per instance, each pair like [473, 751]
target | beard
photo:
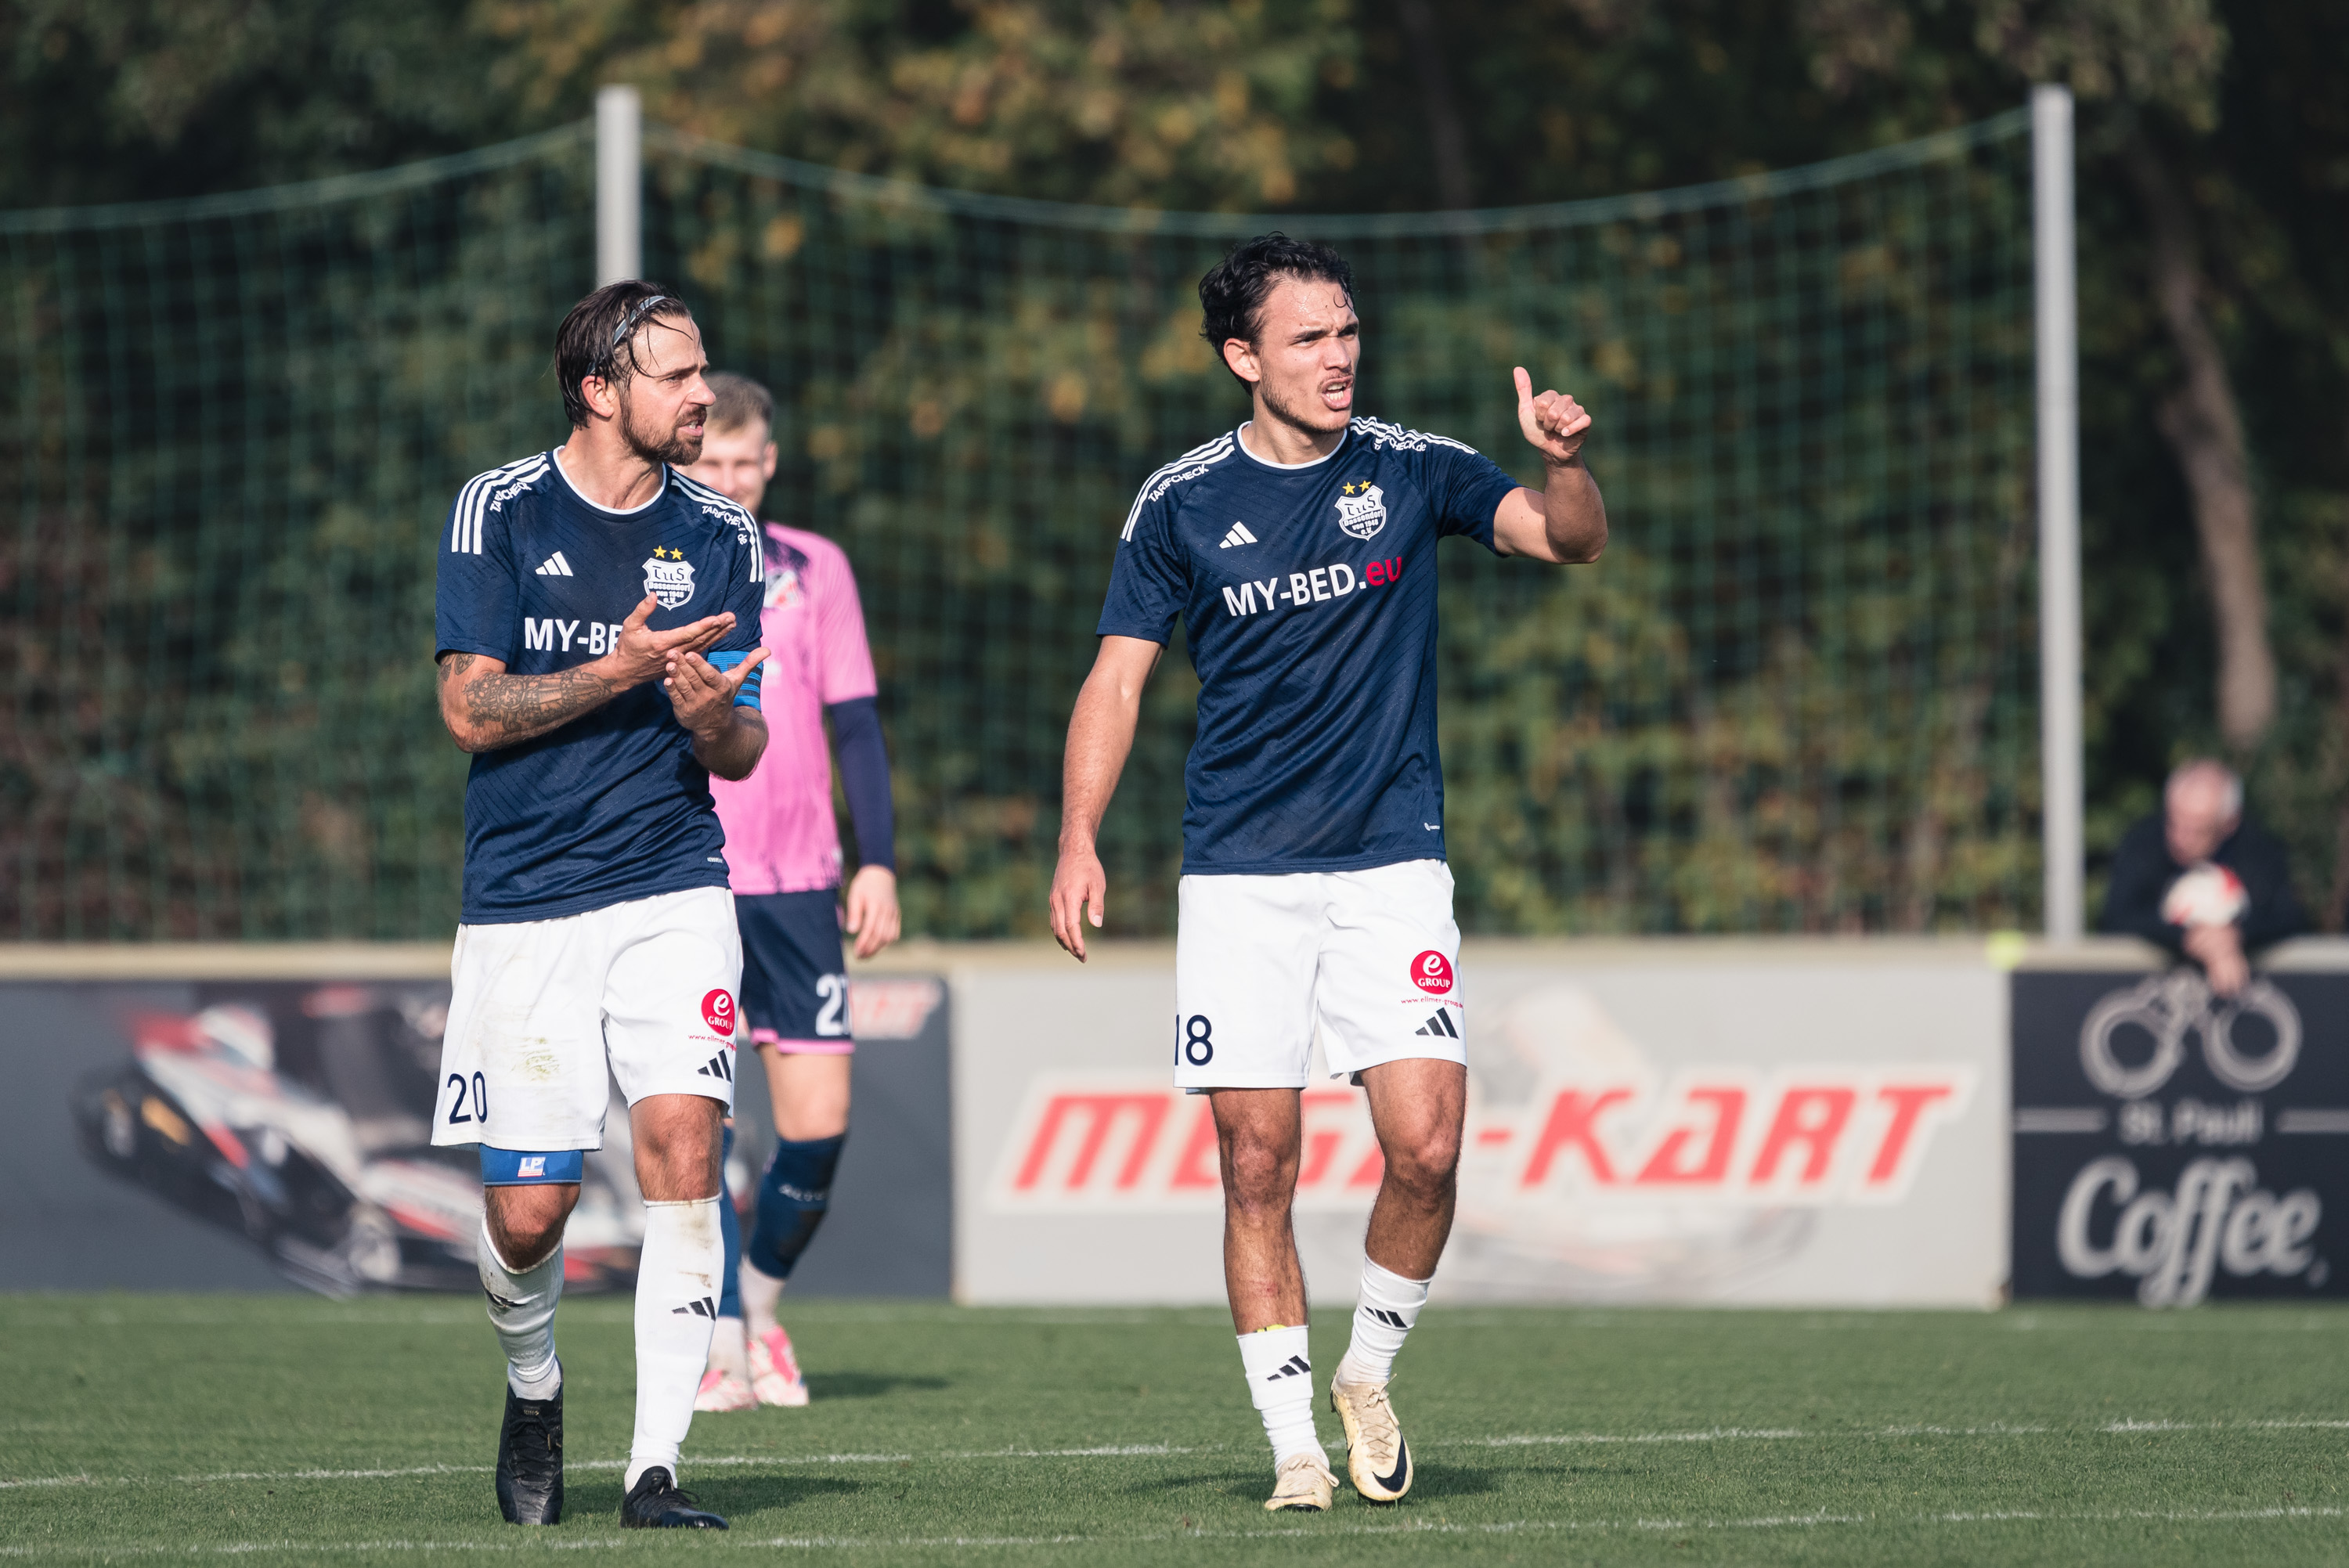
[1302, 416]
[671, 446]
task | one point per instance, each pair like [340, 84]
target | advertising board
[239, 1132]
[1806, 1122]
[2172, 1146]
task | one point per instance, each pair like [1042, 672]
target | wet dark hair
[1232, 295]
[597, 338]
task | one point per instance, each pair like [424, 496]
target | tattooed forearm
[506, 709]
[494, 709]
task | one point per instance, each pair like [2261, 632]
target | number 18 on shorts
[1370, 957]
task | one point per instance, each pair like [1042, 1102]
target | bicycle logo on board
[2170, 1007]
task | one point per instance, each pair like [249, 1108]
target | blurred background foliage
[2215, 328]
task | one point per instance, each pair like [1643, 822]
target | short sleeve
[843, 658]
[1465, 489]
[746, 595]
[1149, 581]
[477, 599]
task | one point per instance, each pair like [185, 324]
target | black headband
[629, 325]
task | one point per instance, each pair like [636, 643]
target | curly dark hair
[598, 337]
[1232, 295]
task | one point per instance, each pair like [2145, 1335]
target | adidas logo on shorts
[718, 1067]
[1439, 1024]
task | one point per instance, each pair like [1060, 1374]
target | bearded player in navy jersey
[1300, 553]
[599, 630]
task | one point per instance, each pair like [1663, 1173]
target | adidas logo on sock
[1391, 1319]
[718, 1067]
[1439, 1024]
[555, 566]
[704, 1307]
[1295, 1366]
[1238, 535]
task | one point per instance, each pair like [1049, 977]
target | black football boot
[656, 1503]
[530, 1459]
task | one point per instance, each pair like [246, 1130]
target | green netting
[1796, 695]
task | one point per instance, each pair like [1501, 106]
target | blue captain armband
[749, 695]
[516, 1168]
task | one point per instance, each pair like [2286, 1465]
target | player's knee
[527, 1223]
[1425, 1165]
[678, 1147]
[1259, 1175]
[817, 1116]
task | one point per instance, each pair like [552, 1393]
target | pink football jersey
[780, 834]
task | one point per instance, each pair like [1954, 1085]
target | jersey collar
[1291, 467]
[641, 506]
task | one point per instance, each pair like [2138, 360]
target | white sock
[1389, 1306]
[521, 1309]
[1281, 1382]
[730, 1348]
[761, 1291]
[678, 1276]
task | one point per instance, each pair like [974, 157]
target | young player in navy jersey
[1300, 553]
[599, 630]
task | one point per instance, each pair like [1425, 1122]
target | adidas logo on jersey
[1439, 1024]
[555, 566]
[1295, 1366]
[704, 1307]
[718, 1067]
[1238, 535]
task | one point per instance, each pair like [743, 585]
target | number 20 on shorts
[1194, 1040]
[457, 1111]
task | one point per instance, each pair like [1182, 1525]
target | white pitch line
[1145, 1450]
[1301, 1531]
[1716, 1435]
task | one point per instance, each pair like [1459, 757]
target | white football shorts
[1370, 957]
[542, 1008]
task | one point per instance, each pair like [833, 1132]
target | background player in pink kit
[783, 859]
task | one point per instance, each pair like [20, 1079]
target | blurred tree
[1142, 104]
[2214, 191]
[121, 100]
[2137, 62]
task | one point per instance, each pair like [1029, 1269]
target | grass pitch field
[293, 1429]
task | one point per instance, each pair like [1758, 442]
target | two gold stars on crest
[1356, 486]
[659, 554]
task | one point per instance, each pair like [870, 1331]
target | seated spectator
[2201, 881]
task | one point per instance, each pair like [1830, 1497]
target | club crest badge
[783, 588]
[1361, 508]
[668, 577]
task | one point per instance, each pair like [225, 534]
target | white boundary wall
[1762, 1122]
[1787, 1121]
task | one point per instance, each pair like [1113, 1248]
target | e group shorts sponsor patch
[1368, 960]
[544, 1015]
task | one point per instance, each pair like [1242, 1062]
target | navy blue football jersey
[1308, 595]
[611, 806]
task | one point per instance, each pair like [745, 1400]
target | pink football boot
[774, 1371]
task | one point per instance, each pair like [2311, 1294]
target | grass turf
[282, 1429]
